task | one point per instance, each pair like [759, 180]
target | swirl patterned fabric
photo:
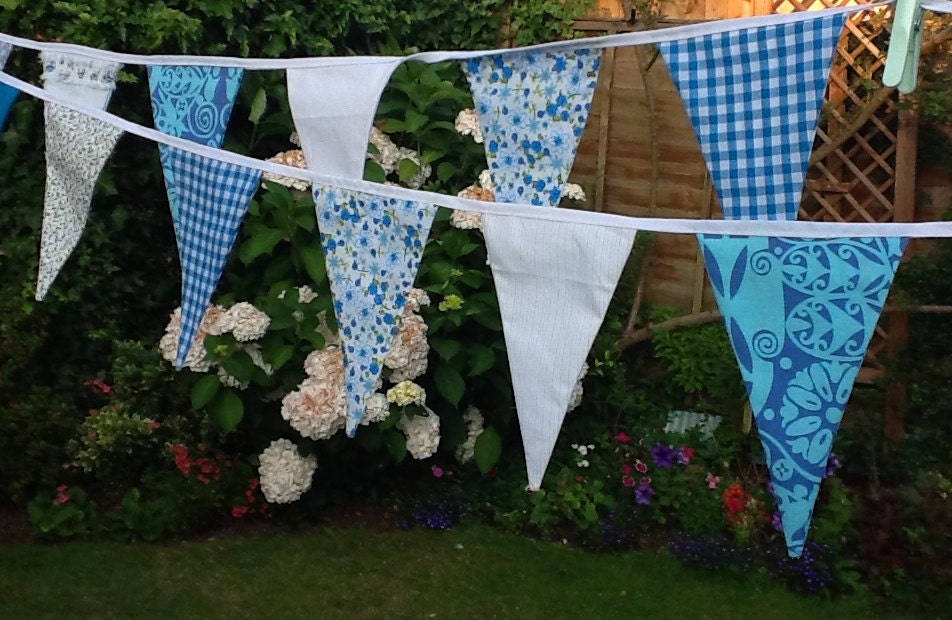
[8, 94]
[532, 107]
[193, 103]
[800, 314]
[373, 246]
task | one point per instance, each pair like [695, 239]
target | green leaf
[407, 169]
[374, 172]
[258, 106]
[313, 258]
[446, 348]
[204, 391]
[240, 366]
[226, 410]
[396, 444]
[261, 243]
[281, 356]
[487, 450]
[481, 359]
[449, 383]
[445, 171]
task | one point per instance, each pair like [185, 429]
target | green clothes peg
[902, 60]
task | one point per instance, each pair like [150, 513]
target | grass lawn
[472, 572]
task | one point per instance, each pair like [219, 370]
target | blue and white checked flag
[213, 199]
[754, 97]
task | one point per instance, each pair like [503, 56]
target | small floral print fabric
[800, 314]
[373, 246]
[193, 103]
[77, 147]
[532, 108]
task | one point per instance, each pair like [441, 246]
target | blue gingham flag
[213, 198]
[754, 97]
[800, 314]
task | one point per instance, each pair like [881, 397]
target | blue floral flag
[213, 199]
[8, 94]
[193, 103]
[373, 246]
[800, 314]
[532, 109]
[754, 97]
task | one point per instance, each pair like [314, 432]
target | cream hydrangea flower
[318, 408]
[486, 180]
[422, 432]
[294, 159]
[408, 356]
[196, 360]
[573, 191]
[578, 392]
[416, 299]
[305, 294]
[424, 170]
[378, 409]
[474, 428]
[285, 475]
[244, 322]
[388, 153]
[467, 124]
[406, 393]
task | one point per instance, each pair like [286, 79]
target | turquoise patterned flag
[193, 103]
[800, 314]
[373, 246]
[532, 108]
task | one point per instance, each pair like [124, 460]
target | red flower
[62, 495]
[626, 469]
[623, 437]
[735, 499]
[628, 481]
[641, 467]
[687, 453]
[239, 511]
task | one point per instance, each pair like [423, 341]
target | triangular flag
[800, 314]
[373, 246]
[213, 198]
[84, 81]
[333, 108]
[193, 103]
[8, 94]
[754, 97]
[554, 281]
[532, 107]
[77, 147]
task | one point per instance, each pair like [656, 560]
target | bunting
[77, 147]
[213, 198]
[532, 108]
[333, 108]
[754, 97]
[373, 246]
[554, 281]
[193, 103]
[800, 314]
[8, 94]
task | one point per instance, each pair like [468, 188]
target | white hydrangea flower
[305, 294]
[406, 393]
[416, 299]
[573, 191]
[378, 409]
[578, 391]
[253, 349]
[285, 475]
[228, 381]
[318, 408]
[466, 220]
[486, 179]
[467, 124]
[326, 364]
[388, 154]
[244, 322]
[196, 360]
[408, 355]
[294, 159]
[422, 432]
[474, 428]
[295, 139]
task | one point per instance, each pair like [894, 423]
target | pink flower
[154, 425]
[628, 481]
[712, 480]
[437, 471]
[641, 467]
[623, 437]
[626, 469]
[645, 480]
[62, 495]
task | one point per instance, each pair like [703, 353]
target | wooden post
[904, 206]
[607, 75]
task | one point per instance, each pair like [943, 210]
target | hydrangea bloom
[378, 409]
[408, 355]
[474, 428]
[305, 294]
[196, 359]
[573, 191]
[295, 159]
[318, 408]
[406, 393]
[416, 299]
[422, 432]
[467, 124]
[388, 153]
[245, 322]
[285, 475]
[578, 391]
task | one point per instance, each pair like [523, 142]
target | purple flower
[644, 493]
[777, 521]
[663, 456]
[832, 464]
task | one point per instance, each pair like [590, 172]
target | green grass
[472, 572]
